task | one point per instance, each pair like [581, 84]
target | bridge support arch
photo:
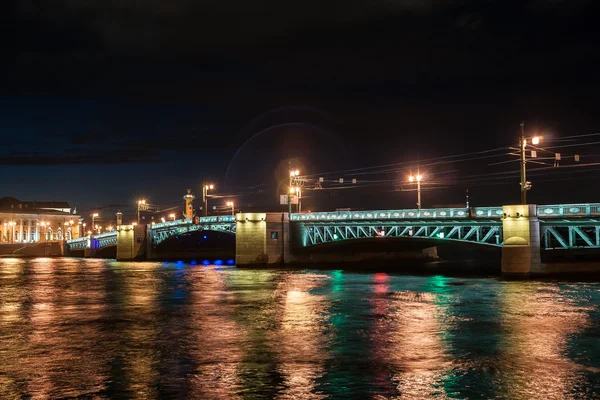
[521, 253]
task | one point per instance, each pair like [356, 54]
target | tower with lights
[189, 204]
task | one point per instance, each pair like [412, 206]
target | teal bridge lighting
[160, 232]
[563, 226]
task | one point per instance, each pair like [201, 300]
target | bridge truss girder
[78, 244]
[570, 234]
[162, 234]
[482, 232]
[107, 241]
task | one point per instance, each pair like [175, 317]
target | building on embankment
[34, 222]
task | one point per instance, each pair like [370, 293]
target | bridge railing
[489, 212]
[201, 220]
[432, 213]
[103, 235]
[569, 210]
[543, 211]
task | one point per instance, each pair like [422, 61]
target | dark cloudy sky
[106, 101]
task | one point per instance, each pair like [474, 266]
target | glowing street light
[230, 204]
[418, 178]
[172, 216]
[162, 219]
[525, 186]
[94, 215]
[141, 204]
[293, 190]
[205, 196]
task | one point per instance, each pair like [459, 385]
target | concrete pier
[131, 242]
[262, 238]
[521, 251]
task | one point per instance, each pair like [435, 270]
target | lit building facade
[37, 221]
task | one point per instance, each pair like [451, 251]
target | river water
[74, 328]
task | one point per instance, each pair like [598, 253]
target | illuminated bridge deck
[563, 226]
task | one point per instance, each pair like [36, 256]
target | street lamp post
[230, 204]
[140, 204]
[417, 178]
[94, 215]
[293, 174]
[205, 190]
[525, 186]
[522, 144]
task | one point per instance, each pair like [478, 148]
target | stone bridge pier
[131, 242]
[521, 252]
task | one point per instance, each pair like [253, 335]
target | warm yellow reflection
[62, 308]
[139, 306]
[413, 340]
[300, 343]
[538, 321]
[216, 340]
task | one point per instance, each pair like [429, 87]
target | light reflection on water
[95, 328]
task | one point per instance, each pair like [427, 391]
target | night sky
[105, 102]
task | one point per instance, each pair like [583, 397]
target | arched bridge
[564, 226]
[161, 232]
[158, 233]
[96, 242]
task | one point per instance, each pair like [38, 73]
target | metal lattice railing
[548, 211]
[437, 213]
[570, 234]
[161, 234]
[80, 243]
[483, 232]
[568, 210]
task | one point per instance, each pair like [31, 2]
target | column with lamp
[141, 205]
[525, 185]
[417, 178]
[94, 216]
[205, 196]
[293, 175]
[230, 204]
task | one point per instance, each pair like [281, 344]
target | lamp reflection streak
[216, 339]
[539, 321]
[52, 318]
[301, 340]
[415, 346]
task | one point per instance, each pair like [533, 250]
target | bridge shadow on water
[196, 245]
[410, 255]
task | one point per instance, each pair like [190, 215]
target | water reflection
[416, 347]
[215, 340]
[539, 321]
[103, 329]
[136, 313]
[300, 341]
